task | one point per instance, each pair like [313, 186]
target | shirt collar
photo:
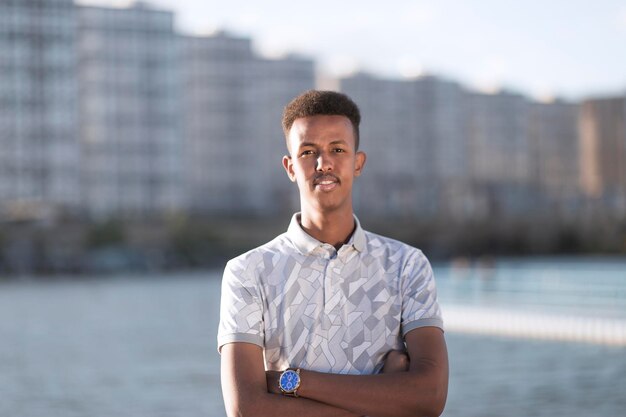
[306, 243]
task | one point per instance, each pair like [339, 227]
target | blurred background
[141, 145]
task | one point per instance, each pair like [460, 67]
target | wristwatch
[289, 382]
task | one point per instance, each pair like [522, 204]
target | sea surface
[145, 345]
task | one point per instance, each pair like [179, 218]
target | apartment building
[276, 83]
[216, 83]
[38, 100]
[131, 151]
[555, 150]
[602, 124]
[412, 130]
[499, 154]
[233, 102]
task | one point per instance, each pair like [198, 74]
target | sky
[543, 49]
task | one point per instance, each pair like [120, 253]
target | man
[328, 319]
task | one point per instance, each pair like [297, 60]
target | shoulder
[251, 260]
[384, 246]
[397, 257]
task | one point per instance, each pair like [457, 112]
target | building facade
[602, 124]
[499, 154]
[555, 150]
[38, 100]
[131, 151]
[110, 112]
[216, 82]
[412, 131]
[438, 150]
[233, 103]
[389, 135]
[276, 83]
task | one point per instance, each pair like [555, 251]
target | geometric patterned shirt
[311, 306]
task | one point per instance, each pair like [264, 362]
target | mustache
[325, 177]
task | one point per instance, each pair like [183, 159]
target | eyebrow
[334, 142]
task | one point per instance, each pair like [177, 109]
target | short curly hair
[320, 102]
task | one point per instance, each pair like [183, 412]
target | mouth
[326, 182]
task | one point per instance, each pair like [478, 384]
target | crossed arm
[419, 390]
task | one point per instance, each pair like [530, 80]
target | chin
[329, 206]
[325, 201]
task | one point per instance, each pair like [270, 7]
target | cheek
[300, 176]
[302, 169]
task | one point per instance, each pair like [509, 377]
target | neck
[333, 228]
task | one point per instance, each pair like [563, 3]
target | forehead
[321, 128]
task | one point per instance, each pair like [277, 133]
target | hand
[396, 361]
[272, 381]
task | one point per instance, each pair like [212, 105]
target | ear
[288, 165]
[359, 163]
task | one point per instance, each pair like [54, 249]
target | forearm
[245, 388]
[271, 405]
[411, 393]
[412, 384]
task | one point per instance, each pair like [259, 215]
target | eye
[339, 150]
[307, 152]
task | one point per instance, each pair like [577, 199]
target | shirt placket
[336, 301]
[329, 255]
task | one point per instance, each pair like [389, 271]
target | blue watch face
[289, 380]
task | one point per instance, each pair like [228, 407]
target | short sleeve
[420, 307]
[241, 308]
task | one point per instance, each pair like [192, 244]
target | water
[569, 299]
[132, 347]
[566, 286]
[135, 346]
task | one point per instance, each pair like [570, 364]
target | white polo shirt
[310, 306]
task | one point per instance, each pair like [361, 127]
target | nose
[324, 162]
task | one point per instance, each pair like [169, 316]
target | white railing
[536, 325]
